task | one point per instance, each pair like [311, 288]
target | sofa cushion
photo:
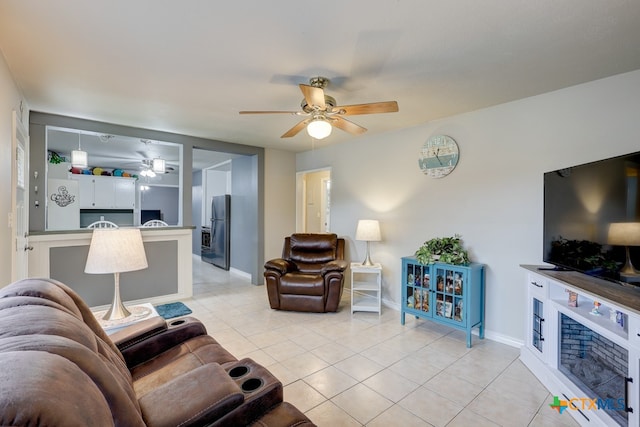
[116, 390]
[39, 388]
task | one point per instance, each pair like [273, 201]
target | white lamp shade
[115, 251]
[368, 230]
[319, 128]
[158, 165]
[624, 234]
[79, 159]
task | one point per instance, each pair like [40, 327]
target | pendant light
[79, 158]
[158, 165]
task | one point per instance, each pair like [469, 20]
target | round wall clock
[439, 156]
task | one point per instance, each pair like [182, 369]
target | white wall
[494, 196]
[10, 98]
[279, 200]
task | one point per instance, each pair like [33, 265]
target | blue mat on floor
[173, 309]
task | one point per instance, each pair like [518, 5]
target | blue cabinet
[449, 294]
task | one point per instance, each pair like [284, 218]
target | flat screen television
[580, 203]
[149, 214]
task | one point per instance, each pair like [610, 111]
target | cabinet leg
[468, 339]
[402, 318]
[481, 331]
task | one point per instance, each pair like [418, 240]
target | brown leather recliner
[310, 274]
[59, 368]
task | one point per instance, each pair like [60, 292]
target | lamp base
[367, 261]
[629, 269]
[117, 310]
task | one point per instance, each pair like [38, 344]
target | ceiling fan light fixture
[79, 158]
[158, 165]
[148, 173]
[319, 128]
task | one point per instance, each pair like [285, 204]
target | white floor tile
[364, 369]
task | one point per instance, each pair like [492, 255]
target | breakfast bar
[61, 255]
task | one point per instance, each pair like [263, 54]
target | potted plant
[443, 249]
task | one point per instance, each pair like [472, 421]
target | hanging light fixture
[148, 173]
[319, 127]
[158, 165]
[79, 158]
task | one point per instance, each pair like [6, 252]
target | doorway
[313, 201]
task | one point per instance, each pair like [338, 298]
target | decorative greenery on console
[582, 254]
[443, 249]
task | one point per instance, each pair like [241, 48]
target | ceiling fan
[322, 112]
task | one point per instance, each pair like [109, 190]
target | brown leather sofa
[310, 274]
[59, 368]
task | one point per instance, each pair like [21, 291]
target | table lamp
[625, 234]
[116, 251]
[369, 231]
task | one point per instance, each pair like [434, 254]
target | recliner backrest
[311, 251]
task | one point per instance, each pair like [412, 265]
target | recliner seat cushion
[302, 284]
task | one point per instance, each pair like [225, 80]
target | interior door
[313, 201]
[19, 199]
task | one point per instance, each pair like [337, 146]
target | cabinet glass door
[538, 319]
[417, 283]
[449, 294]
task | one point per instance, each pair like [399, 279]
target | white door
[19, 199]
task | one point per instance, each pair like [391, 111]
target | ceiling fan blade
[347, 126]
[268, 112]
[314, 96]
[297, 128]
[372, 108]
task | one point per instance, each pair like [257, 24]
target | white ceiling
[189, 66]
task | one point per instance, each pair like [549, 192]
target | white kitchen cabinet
[106, 192]
[125, 193]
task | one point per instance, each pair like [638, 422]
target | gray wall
[253, 260]
[161, 278]
[164, 198]
[245, 222]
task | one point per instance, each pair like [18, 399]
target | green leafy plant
[443, 249]
[55, 158]
[582, 254]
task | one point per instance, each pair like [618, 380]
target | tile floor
[368, 370]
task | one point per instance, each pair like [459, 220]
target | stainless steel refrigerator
[218, 251]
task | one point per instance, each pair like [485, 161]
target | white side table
[366, 287]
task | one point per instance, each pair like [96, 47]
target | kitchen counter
[62, 255]
[89, 230]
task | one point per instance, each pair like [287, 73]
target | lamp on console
[116, 251]
[625, 234]
[369, 231]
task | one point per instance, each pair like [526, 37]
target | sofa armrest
[178, 331]
[335, 265]
[198, 397]
[138, 332]
[280, 265]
